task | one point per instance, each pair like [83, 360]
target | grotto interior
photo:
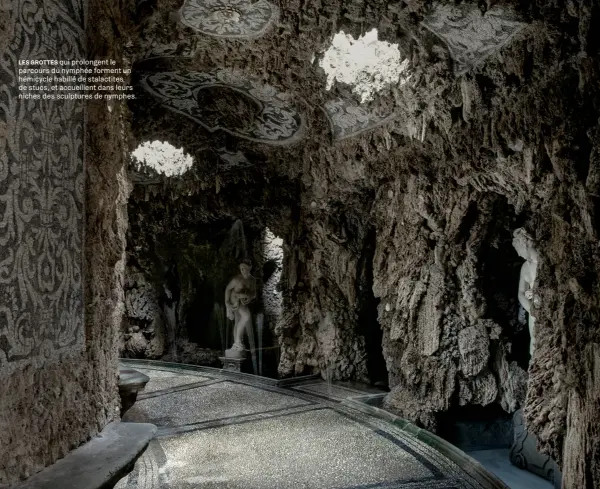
[399, 200]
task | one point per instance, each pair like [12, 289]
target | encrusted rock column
[317, 329]
[441, 345]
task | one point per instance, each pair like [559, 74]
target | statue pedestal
[260, 361]
[233, 364]
[130, 383]
[524, 454]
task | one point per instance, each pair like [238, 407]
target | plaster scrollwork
[470, 36]
[347, 119]
[41, 192]
[229, 18]
[277, 122]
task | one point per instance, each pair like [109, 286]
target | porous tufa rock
[474, 348]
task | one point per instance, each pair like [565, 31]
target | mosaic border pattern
[321, 390]
[179, 388]
[276, 124]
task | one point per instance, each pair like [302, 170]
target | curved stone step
[99, 463]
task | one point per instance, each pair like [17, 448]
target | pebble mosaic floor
[218, 431]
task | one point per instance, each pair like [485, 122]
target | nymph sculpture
[525, 247]
[240, 291]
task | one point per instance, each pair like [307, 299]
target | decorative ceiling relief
[470, 36]
[348, 119]
[232, 160]
[226, 101]
[229, 18]
[156, 49]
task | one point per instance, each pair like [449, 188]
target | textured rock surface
[145, 334]
[444, 323]
[474, 349]
[428, 204]
[272, 254]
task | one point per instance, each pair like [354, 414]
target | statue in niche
[240, 291]
[525, 247]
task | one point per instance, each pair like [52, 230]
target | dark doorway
[368, 326]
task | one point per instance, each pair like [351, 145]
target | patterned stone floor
[219, 431]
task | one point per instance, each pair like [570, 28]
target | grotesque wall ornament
[347, 119]
[42, 179]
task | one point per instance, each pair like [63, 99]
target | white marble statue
[240, 291]
[525, 247]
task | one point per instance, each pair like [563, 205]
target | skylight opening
[162, 157]
[369, 65]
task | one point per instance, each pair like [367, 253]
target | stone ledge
[130, 383]
[464, 461]
[183, 367]
[98, 464]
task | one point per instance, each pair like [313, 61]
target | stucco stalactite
[562, 373]
[271, 249]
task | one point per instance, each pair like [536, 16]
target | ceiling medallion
[347, 119]
[470, 36]
[274, 121]
[229, 18]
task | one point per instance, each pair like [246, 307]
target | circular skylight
[164, 158]
[365, 63]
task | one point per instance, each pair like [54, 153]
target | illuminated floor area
[219, 431]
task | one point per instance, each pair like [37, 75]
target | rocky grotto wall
[184, 248]
[401, 211]
[62, 207]
[442, 341]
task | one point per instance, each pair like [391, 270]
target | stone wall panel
[61, 272]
